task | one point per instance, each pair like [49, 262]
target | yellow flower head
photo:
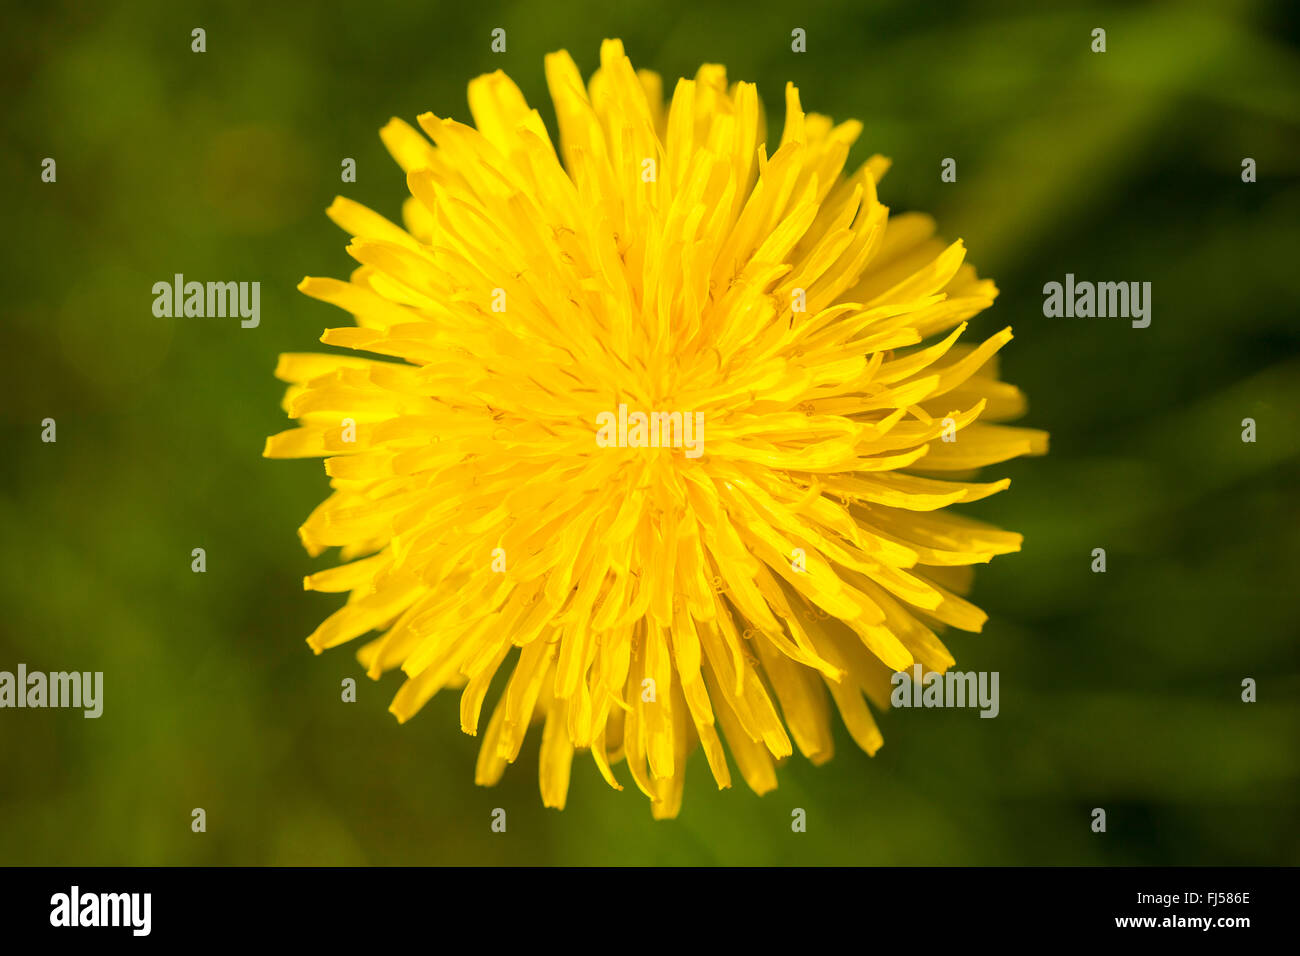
[661, 445]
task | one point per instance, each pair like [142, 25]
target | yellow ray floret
[781, 552]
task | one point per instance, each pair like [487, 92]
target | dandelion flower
[640, 601]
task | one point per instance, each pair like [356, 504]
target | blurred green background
[1119, 690]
